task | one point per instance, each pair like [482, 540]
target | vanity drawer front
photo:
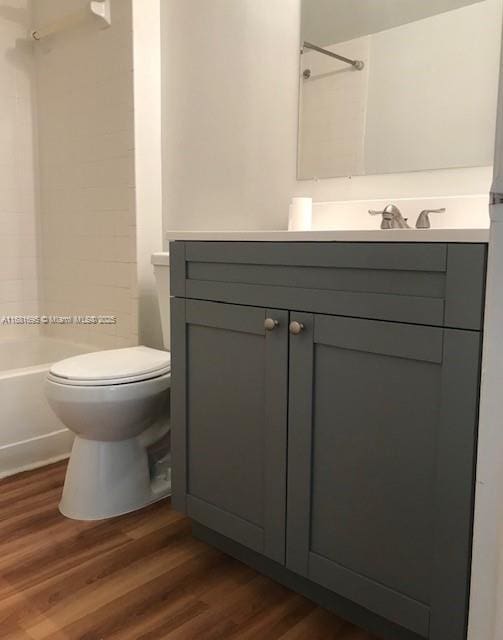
[421, 283]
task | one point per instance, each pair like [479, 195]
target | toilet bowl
[110, 400]
[116, 403]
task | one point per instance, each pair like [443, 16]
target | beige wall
[18, 216]
[86, 135]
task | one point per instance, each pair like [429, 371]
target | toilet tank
[160, 262]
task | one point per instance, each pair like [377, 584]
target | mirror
[413, 85]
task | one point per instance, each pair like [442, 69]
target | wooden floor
[138, 577]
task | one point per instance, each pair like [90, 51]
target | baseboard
[35, 452]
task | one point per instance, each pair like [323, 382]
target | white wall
[230, 112]
[86, 135]
[230, 75]
[148, 150]
[486, 603]
[18, 211]
[399, 114]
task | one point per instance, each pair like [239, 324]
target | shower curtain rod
[357, 64]
[99, 8]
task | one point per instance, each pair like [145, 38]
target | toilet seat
[113, 367]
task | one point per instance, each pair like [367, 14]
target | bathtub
[30, 434]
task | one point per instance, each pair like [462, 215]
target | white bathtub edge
[35, 452]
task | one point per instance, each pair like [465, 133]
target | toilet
[116, 402]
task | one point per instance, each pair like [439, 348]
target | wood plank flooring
[138, 577]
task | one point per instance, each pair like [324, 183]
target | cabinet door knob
[270, 324]
[296, 328]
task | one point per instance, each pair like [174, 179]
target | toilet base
[107, 479]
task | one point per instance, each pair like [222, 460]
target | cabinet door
[229, 412]
[382, 433]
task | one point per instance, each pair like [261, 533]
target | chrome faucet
[391, 217]
[423, 222]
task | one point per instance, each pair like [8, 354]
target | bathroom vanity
[325, 393]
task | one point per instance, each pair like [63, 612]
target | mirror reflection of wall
[425, 98]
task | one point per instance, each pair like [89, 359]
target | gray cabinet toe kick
[324, 419]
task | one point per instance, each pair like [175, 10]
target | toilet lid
[114, 366]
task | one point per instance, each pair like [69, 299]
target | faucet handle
[387, 218]
[423, 221]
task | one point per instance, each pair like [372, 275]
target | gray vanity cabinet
[230, 439]
[325, 404]
[381, 457]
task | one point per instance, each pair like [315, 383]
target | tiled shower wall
[18, 218]
[86, 159]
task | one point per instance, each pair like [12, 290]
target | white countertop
[371, 235]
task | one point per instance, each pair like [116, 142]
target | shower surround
[67, 207]
[19, 272]
[84, 80]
